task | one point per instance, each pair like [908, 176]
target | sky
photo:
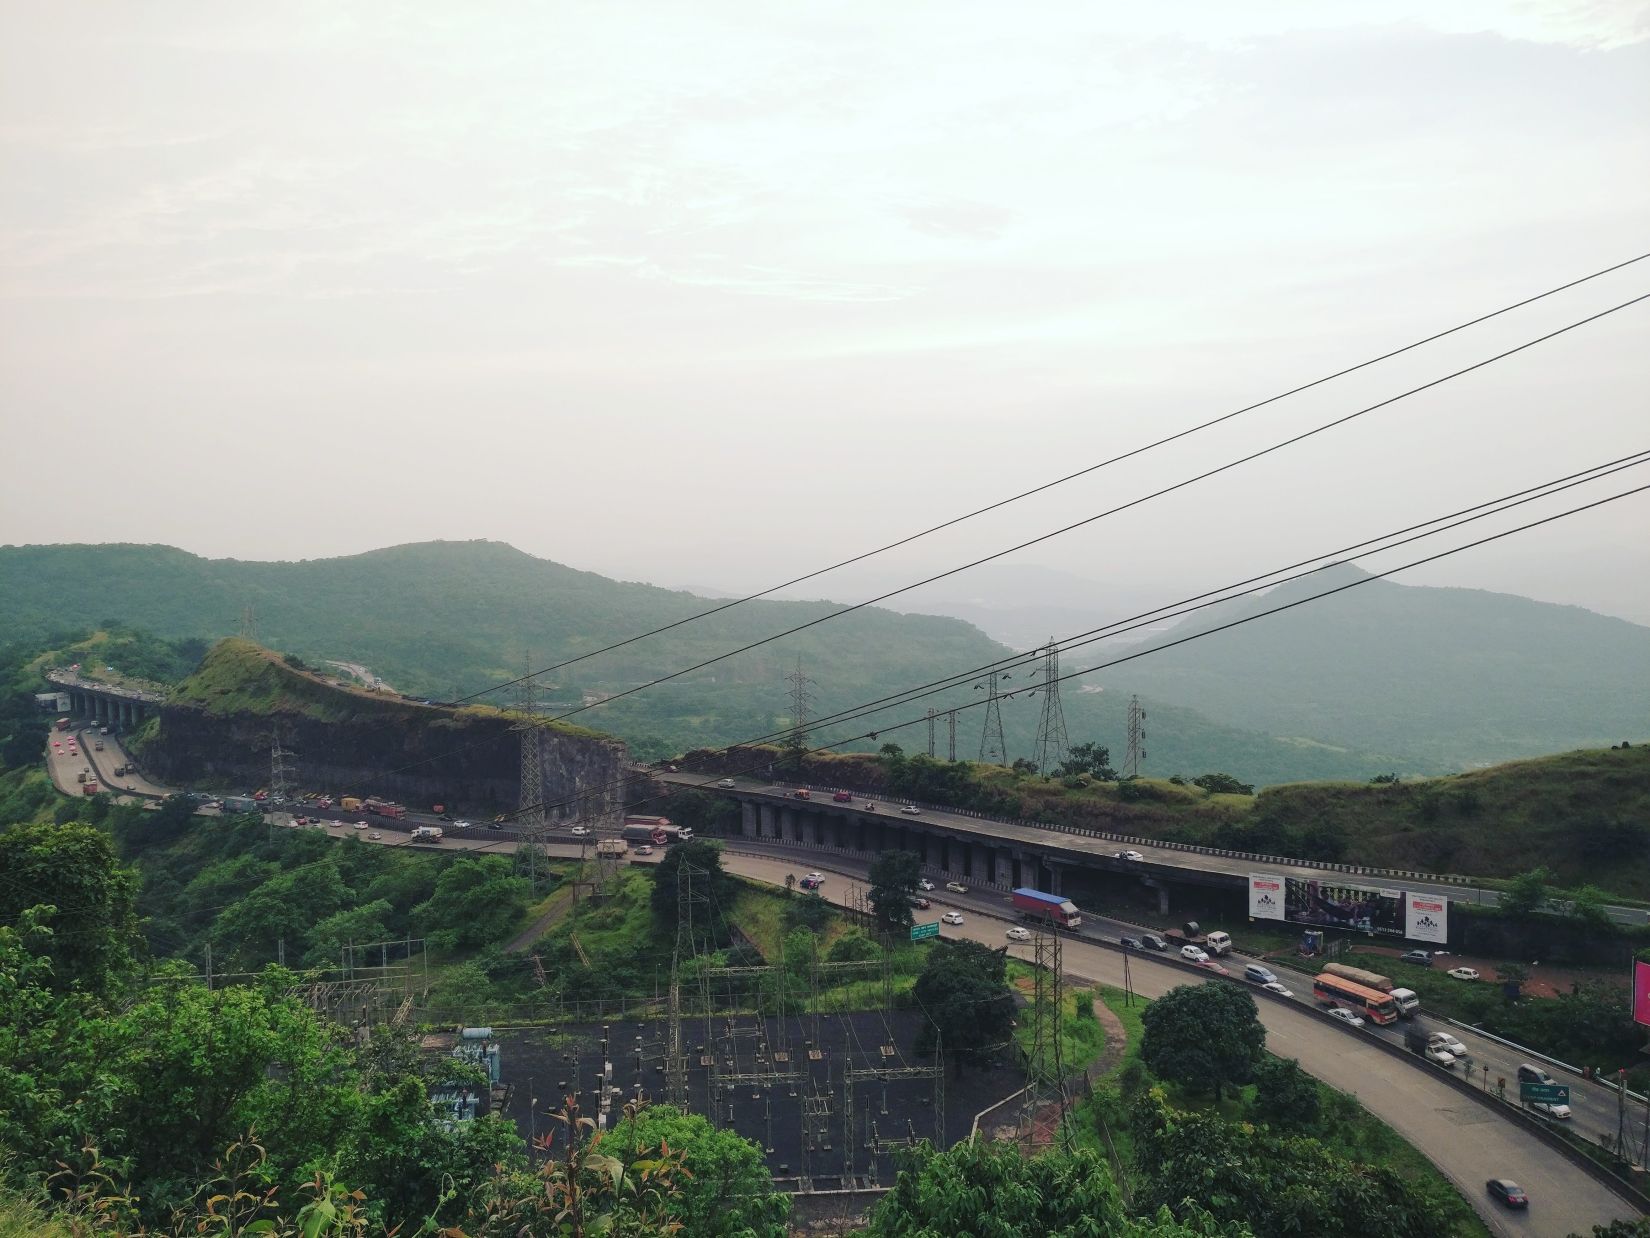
[716, 294]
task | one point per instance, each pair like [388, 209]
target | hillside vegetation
[443, 619]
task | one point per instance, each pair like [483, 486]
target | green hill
[443, 619]
[1449, 678]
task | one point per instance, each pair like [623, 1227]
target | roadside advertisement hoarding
[1357, 909]
[1265, 897]
[1641, 993]
[1426, 917]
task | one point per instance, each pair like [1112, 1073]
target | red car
[843, 797]
[1211, 965]
[802, 793]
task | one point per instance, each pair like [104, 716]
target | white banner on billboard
[1426, 917]
[1265, 897]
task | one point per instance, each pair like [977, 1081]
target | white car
[375, 836]
[1018, 934]
[579, 831]
[360, 825]
[952, 917]
[1456, 1049]
[1557, 1110]
[1440, 1056]
[461, 825]
[910, 810]
[726, 782]
[1464, 973]
[924, 884]
[1346, 1016]
[644, 849]
[1279, 989]
[956, 887]
[1130, 855]
[1193, 954]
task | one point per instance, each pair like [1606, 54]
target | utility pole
[1052, 744]
[530, 795]
[951, 728]
[993, 751]
[1137, 739]
[932, 713]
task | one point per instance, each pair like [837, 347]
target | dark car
[1130, 943]
[1508, 1192]
[1153, 942]
[920, 902]
[1419, 957]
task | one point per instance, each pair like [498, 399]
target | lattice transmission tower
[932, 714]
[1045, 1102]
[281, 781]
[993, 751]
[1051, 745]
[796, 740]
[530, 827]
[1136, 754]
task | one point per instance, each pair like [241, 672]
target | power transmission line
[1088, 520]
[1159, 648]
[1083, 472]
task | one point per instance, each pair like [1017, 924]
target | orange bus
[1371, 1003]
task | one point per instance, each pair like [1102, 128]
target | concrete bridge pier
[1162, 889]
[1002, 866]
[770, 822]
[750, 823]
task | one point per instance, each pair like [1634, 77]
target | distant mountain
[443, 619]
[1458, 676]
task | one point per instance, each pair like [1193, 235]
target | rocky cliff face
[217, 731]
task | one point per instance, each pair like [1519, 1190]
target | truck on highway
[426, 834]
[1045, 908]
[240, 803]
[62, 724]
[656, 830]
[350, 803]
[1189, 934]
[89, 787]
[384, 808]
[1408, 1001]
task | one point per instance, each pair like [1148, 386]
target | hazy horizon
[721, 296]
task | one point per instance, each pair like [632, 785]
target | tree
[986, 1188]
[359, 926]
[727, 1191]
[1526, 893]
[893, 876]
[476, 902]
[1286, 1097]
[1091, 759]
[964, 990]
[1223, 784]
[72, 867]
[1279, 1185]
[709, 885]
[1589, 909]
[1203, 1036]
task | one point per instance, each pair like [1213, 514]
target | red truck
[384, 808]
[1049, 908]
[89, 788]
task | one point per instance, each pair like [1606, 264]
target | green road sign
[919, 931]
[1551, 1093]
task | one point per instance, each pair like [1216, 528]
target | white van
[1408, 1001]
[1218, 943]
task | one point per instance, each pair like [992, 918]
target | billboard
[1357, 909]
[1426, 917]
[1265, 897]
[1641, 992]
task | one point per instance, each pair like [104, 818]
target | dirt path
[561, 902]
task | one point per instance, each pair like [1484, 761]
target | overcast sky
[711, 294]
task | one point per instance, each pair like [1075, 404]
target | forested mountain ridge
[1465, 676]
